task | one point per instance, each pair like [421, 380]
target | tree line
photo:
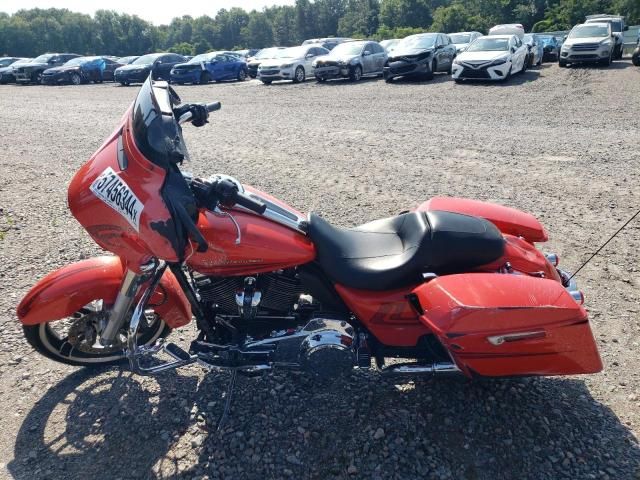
[34, 31]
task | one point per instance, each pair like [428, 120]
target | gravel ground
[561, 144]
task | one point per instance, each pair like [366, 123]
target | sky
[156, 11]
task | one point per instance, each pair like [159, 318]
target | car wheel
[75, 79]
[266, 82]
[299, 75]
[205, 78]
[608, 61]
[37, 77]
[321, 79]
[450, 69]
[562, 63]
[387, 78]
[356, 73]
[525, 64]
[242, 75]
[508, 75]
[635, 58]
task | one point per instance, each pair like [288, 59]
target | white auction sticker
[113, 191]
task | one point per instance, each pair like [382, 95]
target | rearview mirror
[309, 55]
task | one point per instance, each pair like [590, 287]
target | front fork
[129, 287]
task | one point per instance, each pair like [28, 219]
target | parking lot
[561, 144]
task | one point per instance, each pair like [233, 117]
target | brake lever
[222, 213]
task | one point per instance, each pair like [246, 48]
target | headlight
[606, 42]
[342, 63]
[314, 64]
[286, 65]
[499, 61]
[456, 62]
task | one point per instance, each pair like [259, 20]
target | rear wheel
[72, 340]
[635, 58]
[299, 75]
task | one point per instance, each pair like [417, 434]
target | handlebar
[224, 192]
[211, 107]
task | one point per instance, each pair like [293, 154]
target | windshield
[126, 60]
[527, 38]
[77, 61]
[584, 31]
[155, 130]
[418, 41]
[267, 53]
[43, 58]
[349, 48]
[547, 39]
[146, 59]
[489, 45]
[203, 57]
[6, 61]
[460, 38]
[293, 52]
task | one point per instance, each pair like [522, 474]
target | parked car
[352, 60]
[329, 43]
[494, 57]
[127, 60]
[550, 47]
[203, 68]
[421, 56]
[618, 28]
[536, 51]
[265, 54]
[293, 63]
[463, 39]
[6, 73]
[81, 70]
[390, 44]
[6, 61]
[32, 72]
[159, 65]
[588, 43]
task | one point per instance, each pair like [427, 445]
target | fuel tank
[267, 242]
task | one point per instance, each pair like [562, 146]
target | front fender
[65, 291]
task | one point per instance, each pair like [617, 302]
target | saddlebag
[505, 325]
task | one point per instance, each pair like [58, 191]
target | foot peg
[176, 352]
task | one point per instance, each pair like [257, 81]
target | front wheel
[75, 79]
[242, 75]
[356, 73]
[205, 78]
[73, 340]
[299, 75]
[635, 58]
[562, 63]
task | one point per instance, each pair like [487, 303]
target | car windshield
[460, 38]
[547, 39]
[146, 59]
[293, 52]
[154, 124]
[203, 57]
[585, 31]
[77, 61]
[43, 58]
[348, 48]
[6, 61]
[488, 44]
[267, 53]
[418, 41]
[125, 60]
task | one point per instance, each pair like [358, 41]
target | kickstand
[228, 398]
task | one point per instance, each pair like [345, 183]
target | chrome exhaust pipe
[420, 369]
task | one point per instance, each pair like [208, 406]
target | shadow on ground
[113, 426]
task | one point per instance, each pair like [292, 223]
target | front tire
[635, 58]
[266, 82]
[242, 75]
[299, 75]
[562, 64]
[205, 78]
[71, 350]
[356, 73]
[75, 79]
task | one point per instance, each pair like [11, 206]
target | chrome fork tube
[124, 301]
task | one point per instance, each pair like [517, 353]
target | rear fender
[65, 291]
[508, 220]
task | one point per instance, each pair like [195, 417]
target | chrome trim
[123, 303]
[497, 340]
[572, 288]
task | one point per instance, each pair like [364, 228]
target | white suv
[588, 43]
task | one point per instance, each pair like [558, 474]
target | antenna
[605, 244]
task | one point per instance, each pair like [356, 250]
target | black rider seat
[394, 252]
